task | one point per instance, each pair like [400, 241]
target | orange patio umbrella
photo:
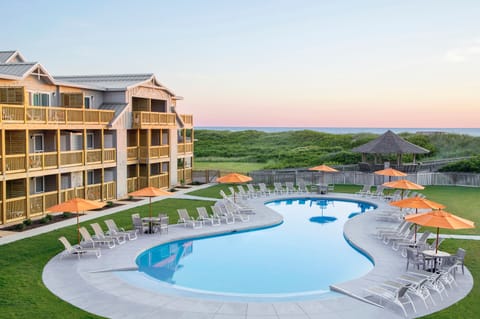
[324, 169]
[234, 178]
[403, 184]
[76, 205]
[150, 192]
[390, 172]
[417, 203]
[440, 219]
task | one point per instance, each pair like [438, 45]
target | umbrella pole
[415, 236]
[150, 206]
[78, 229]
[436, 244]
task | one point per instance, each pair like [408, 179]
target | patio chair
[205, 217]
[397, 297]
[365, 190]
[395, 234]
[230, 211]
[433, 282]
[185, 219]
[77, 249]
[252, 192]
[414, 258]
[278, 188]
[302, 188]
[379, 192]
[290, 188]
[113, 229]
[447, 270]
[264, 189]
[390, 229]
[460, 259]
[420, 242]
[416, 288]
[242, 193]
[162, 224]
[87, 239]
[218, 213]
[139, 225]
[99, 234]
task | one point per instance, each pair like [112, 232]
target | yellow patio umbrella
[417, 203]
[150, 192]
[403, 184]
[324, 169]
[76, 205]
[440, 219]
[234, 178]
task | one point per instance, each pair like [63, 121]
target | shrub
[43, 220]
[66, 215]
[27, 222]
[19, 226]
[49, 217]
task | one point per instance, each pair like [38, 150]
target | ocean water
[345, 130]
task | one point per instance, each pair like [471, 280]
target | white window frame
[90, 101]
[92, 137]
[35, 179]
[35, 150]
[31, 97]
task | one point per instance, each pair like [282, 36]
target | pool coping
[89, 284]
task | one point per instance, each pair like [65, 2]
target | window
[39, 184]
[88, 101]
[39, 99]
[90, 178]
[38, 145]
[90, 141]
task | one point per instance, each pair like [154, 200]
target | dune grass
[23, 295]
[237, 167]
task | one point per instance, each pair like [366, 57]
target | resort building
[98, 137]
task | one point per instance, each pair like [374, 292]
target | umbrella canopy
[234, 178]
[390, 172]
[76, 205]
[150, 192]
[417, 203]
[323, 168]
[403, 184]
[440, 219]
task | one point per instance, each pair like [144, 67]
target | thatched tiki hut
[389, 143]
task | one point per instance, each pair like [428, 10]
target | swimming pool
[301, 257]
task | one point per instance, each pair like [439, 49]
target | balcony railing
[185, 147]
[153, 152]
[71, 158]
[41, 161]
[40, 202]
[54, 115]
[109, 190]
[94, 156]
[159, 181]
[15, 163]
[185, 175]
[132, 153]
[16, 208]
[187, 119]
[132, 184]
[69, 193]
[109, 155]
[151, 119]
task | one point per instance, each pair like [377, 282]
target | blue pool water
[303, 255]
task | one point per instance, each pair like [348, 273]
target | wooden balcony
[185, 175]
[159, 181]
[42, 161]
[132, 183]
[153, 119]
[71, 158]
[16, 208]
[187, 119]
[153, 152]
[185, 148]
[54, 115]
[109, 155]
[96, 192]
[69, 193]
[40, 202]
[15, 163]
[132, 153]
[95, 156]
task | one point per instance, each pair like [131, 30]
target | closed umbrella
[234, 178]
[76, 205]
[440, 219]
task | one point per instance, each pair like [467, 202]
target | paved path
[91, 284]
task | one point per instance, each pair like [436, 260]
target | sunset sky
[294, 63]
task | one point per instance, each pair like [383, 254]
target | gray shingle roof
[16, 69]
[106, 82]
[390, 143]
[117, 107]
[5, 55]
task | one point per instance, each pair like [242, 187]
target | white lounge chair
[187, 220]
[252, 192]
[87, 239]
[278, 188]
[397, 297]
[218, 213]
[205, 217]
[77, 250]
[99, 234]
[113, 229]
[230, 210]
[290, 188]
[139, 225]
[365, 190]
[264, 189]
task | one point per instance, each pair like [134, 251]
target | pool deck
[90, 284]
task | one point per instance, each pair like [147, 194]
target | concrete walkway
[92, 284]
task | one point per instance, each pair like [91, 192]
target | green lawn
[237, 167]
[23, 295]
